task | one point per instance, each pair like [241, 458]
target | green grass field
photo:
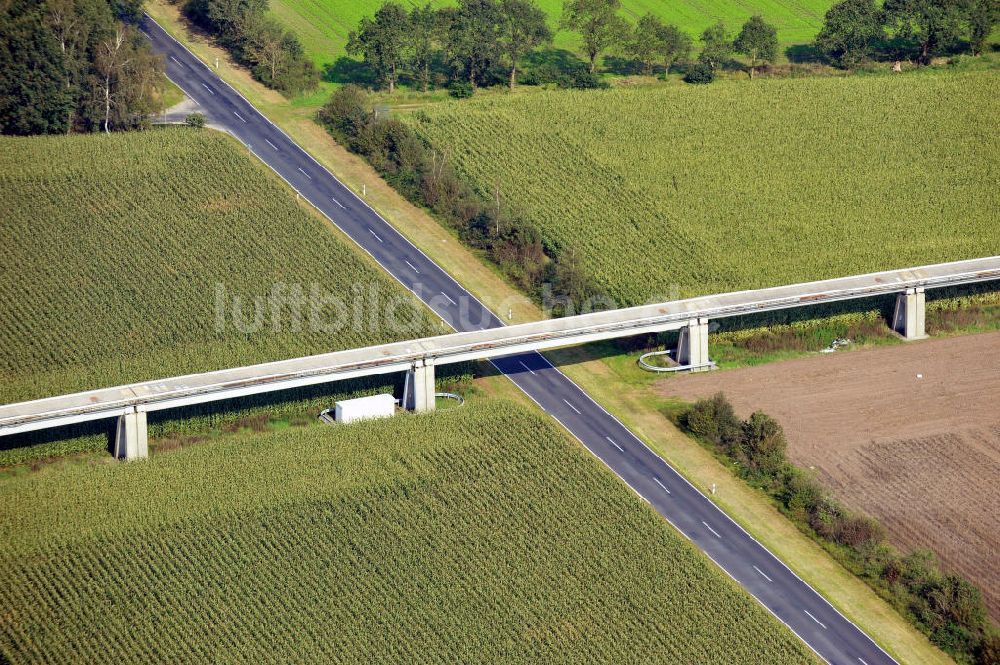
[742, 185]
[476, 535]
[112, 247]
[323, 25]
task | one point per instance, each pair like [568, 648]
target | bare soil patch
[909, 434]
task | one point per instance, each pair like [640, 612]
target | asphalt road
[791, 600]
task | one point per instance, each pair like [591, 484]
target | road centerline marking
[209, 89]
[814, 618]
[762, 574]
[342, 205]
[411, 265]
[572, 407]
[615, 444]
[711, 529]
[305, 174]
[177, 61]
[374, 234]
[662, 486]
[862, 661]
[449, 298]
[241, 118]
[526, 367]
[271, 144]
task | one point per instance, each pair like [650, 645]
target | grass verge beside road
[295, 117]
[622, 388]
[638, 409]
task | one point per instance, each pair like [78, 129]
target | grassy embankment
[631, 405]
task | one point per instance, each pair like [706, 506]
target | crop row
[478, 534]
[742, 186]
[114, 252]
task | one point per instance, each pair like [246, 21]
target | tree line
[946, 607]
[470, 41]
[858, 30]
[273, 54]
[75, 66]
[428, 178]
[485, 41]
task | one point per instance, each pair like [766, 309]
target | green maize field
[701, 189]
[112, 249]
[323, 25]
[479, 534]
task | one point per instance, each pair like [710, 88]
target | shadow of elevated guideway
[831, 635]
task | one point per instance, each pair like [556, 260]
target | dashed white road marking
[342, 205]
[449, 298]
[815, 619]
[572, 407]
[271, 144]
[374, 234]
[305, 174]
[613, 443]
[411, 265]
[177, 61]
[209, 89]
[241, 118]
[526, 367]
[711, 529]
[762, 574]
[862, 660]
[662, 486]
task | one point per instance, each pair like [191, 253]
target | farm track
[921, 454]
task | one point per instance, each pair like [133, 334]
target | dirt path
[909, 434]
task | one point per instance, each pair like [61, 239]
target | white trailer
[362, 408]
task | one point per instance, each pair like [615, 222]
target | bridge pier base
[131, 437]
[908, 317]
[692, 346]
[418, 392]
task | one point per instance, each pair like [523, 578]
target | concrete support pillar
[418, 392]
[908, 318]
[692, 347]
[132, 438]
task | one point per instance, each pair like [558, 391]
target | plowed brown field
[909, 434]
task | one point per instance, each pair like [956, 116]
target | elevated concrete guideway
[830, 634]
[421, 355]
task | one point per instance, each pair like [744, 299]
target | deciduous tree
[522, 29]
[672, 45]
[599, 24]
[426, 37]
[34, 95]
[716, 46]
[983, 16]
[474, 38]
[380, 41]
[643, 44]
[933, 25]
[758, 41]
[850, 32]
